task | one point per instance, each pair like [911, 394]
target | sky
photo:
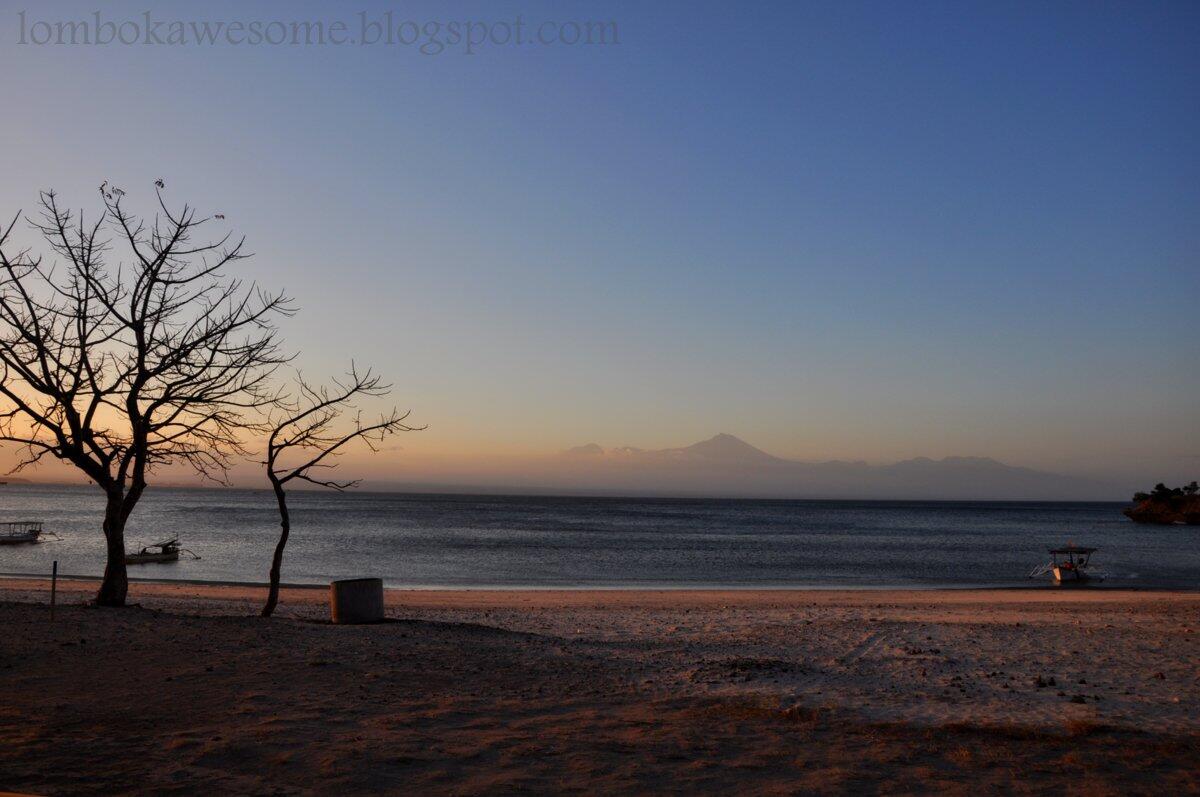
[864, 231]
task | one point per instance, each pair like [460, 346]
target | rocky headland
[1166, 505]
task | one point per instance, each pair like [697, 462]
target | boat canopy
[1073, 549]
[21, 526]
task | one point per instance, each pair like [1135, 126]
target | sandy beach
[601, 692]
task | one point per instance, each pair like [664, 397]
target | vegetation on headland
[1166, 505]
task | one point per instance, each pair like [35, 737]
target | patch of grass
[963, 756]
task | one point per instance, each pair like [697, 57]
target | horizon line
[435, 489]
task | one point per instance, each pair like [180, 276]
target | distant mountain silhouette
[588, 450]
[723, 448]
[727, 448]
[727, 465]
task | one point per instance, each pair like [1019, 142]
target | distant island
[725, 466]
[728, 466]
[1166, 505]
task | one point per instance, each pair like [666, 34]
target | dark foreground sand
[602, 692]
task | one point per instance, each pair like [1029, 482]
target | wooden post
[53, 587]
[356, 600]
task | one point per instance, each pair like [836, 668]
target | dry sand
[601, 692]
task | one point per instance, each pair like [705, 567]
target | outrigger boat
[13, 533]
[165, 551]
[1070, 565]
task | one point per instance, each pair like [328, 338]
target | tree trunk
[285, 526]
[115, 585]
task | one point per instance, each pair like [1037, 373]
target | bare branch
[309, 431]
[157, 358]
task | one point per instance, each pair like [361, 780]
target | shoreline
[306, 600]
[10, 579]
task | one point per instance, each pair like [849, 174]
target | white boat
[1070, 565]
[20, 531]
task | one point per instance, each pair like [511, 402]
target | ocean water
[518, 541]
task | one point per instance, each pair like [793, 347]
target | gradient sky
[836, 230]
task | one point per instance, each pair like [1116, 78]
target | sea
[506, 541]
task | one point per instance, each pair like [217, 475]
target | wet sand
[602, 691]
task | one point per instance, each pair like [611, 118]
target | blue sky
[855, 230]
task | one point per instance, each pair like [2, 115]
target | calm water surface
[516, 541]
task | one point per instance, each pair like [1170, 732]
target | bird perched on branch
[159, 182]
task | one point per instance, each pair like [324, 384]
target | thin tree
[308, 432]
[122, 364]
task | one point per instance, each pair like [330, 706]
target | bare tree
[120, 368]
[308, 433]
